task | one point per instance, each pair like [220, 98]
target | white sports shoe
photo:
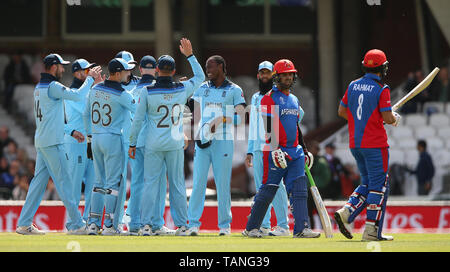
[93, 229]
[341, 217]
[265, 231]
[126, 221]
[193, 231]
[307, 233]
[29, 230]
[279, 231]
[80, 231]
[371, 234]
[110, 231]
[163, 231]
[224, 231]
[182, 231]
[146, 230]
[254, 233]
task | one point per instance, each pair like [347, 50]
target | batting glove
[309, 160]
[397, 119]
[280, 158]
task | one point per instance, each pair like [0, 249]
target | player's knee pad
[298, 198]
[357, 199]
[298, 189]
[260, 205]
[376, 206]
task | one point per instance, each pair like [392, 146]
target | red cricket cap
[374, 58]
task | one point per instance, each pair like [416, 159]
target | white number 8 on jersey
[359, 109]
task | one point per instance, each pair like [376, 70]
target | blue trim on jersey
[47, 78]
[386, 109]
[344, 105]
[165, 91]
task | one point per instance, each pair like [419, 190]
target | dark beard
[265, 87]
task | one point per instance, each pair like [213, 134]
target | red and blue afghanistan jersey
[364, 100]
[286, 113]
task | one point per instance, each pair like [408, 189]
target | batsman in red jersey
[366, 106]
[283, 154]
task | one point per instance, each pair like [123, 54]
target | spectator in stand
[322, 176]
[424, 169]
[10, 151]
[4, 138]
[415, 104]
[29, 169]
[336, 169]
[7, 179]
[16, 72]
[4, 165]
[441, 86]
[20, 191]
[38, 67]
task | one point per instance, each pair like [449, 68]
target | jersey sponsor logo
[102, 95]
[363, 87]
[289, 112]
[213, 104]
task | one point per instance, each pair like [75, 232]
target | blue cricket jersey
[49, 95]
[107, 108]
[163, 104]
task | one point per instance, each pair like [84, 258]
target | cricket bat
[321, 209]
[419, 88]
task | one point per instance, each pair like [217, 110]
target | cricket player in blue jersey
[218, 100]
[130, 86]
[283, 155]
[52, 158]
[81, 166]
[107, 108]
[163, 104]
[147, 68]
[254, 157]
[366, 106]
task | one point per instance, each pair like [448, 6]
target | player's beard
[264, 87]
[286, 86]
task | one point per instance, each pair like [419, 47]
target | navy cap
[148, 62]
[166, 62]
[54, 59]
[265, 65]
[81, 64]
[127, 56]
[118, 65]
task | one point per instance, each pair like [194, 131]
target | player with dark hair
[366, 105]
[283, 155]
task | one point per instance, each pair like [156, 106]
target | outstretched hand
[185, 47]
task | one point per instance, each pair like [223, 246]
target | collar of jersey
[113, 85]
[132, 78]
[146, 79]
[47, 78]
[225, 83]
[275, 89]
[372, 76]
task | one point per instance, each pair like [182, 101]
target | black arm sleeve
[300, 139]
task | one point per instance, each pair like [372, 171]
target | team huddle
[93, 129]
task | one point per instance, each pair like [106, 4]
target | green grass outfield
[211, 242]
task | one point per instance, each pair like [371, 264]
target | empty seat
[411, 157]
[423, 132]
[406, 143]
[401, 132]
[447, 108]
[415, 119]
[444, 132]
[396, 156]
[435, 143]
[439, 120]
[441, 157]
